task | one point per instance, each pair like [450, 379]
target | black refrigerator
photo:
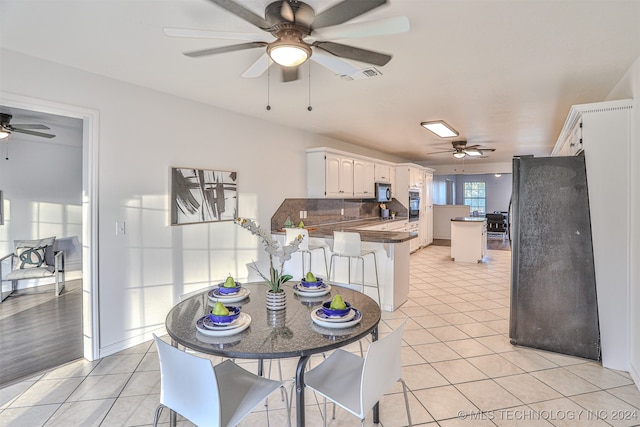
[553, 287]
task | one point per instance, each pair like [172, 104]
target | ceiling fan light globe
[288, 56]
[459, 154]
[4, 132]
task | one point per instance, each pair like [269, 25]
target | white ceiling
[504, 73]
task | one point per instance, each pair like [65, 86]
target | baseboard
[635, 375]
[130, 342]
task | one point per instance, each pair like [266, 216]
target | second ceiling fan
[461, 149]
[301, 35]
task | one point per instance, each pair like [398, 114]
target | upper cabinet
[416, 177]
[363, 179]
[382, 172]
[338, 176]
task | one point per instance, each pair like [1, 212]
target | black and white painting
[200, 195]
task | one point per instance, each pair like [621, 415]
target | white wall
[142, 134]
[629, 87]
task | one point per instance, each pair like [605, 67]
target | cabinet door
[382, 173]
[428, 189]
[415, 177]
[333, 166]
[363, 179]
[346, 177]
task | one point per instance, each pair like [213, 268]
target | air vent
[362, 74]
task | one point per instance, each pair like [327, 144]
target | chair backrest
[188, 385]
[293, 233]
[382, 368]
[347, 243]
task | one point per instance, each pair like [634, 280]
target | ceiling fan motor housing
[297, 15]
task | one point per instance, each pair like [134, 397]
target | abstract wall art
[200, 195]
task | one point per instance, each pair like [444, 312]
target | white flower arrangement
[275, 250]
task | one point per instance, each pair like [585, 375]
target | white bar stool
[305, 247]
[349, 245]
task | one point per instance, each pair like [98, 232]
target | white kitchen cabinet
[416, 177]
[382, 172]
[414, 227]
[363, 179]
[468, 239]
[329, 175]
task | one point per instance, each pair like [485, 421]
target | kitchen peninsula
[387, 238]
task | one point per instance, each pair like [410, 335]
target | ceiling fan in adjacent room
[6, 128]
[461, 149]
[301, 35]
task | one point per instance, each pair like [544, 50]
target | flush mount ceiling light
[440, 128]
[289, 50]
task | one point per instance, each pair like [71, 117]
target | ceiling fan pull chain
[269, 89]
[309, 107]
[7, 155]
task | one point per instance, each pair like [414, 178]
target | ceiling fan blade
[345, 11]
[289, 74]
[24, 126]
[258, 68]
[336, 64]
[441, 152]
[30, 132]
[224, 49]
[379, 27]
[242, 12]
[356, 53]
[205, 34]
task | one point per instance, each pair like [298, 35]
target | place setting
[311, 287]
[336, 314]
[229, 291]
[223, 321]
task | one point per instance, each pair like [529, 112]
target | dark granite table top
[468, 219]
[272, 334]
[391, 236]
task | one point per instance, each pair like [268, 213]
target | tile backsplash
[329, 211]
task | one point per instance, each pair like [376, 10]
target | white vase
[276, 300]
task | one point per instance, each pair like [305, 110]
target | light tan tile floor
[457, 361]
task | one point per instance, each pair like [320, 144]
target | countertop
[391, 236]
[469, 219]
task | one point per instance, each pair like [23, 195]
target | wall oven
[414, 205]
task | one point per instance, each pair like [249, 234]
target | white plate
[337, 325]
[303, 292]
[320, 314]
[215, 295]
[242, 323]
[208, 323]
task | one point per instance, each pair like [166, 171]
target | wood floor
[39, 331]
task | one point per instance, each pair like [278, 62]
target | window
[475, 196]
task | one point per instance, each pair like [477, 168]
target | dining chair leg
[156, 417]
[406, 401]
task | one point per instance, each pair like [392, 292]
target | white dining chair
[219, 396]
[306, 247]
[348, 244]
[356, 384]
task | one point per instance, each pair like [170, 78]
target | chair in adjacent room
[348, 244]
[355, 383]
[34, 259]
[206, 395]
[306, 247]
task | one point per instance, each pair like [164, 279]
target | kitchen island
[468, 239]
[392, 255]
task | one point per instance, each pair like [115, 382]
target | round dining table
[274, 334]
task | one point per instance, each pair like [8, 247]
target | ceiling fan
[297, 29]
[6, 128]
[461, 149]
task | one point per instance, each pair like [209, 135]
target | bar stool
[349, 245]
[305, 247]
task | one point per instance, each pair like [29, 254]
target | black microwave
[383, 192]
